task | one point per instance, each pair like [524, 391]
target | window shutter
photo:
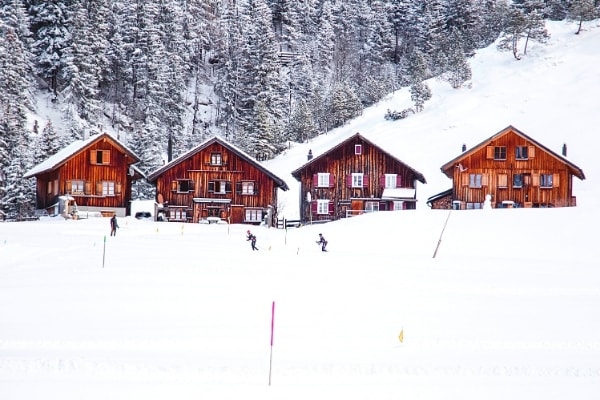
[531, 152]
[464, 179]
[87, 188]
[255, 190]
[67, 186]
[555, 180]
[535, 179]
[382, 181]
[315, 180]
[118, 188]
[331, 180]
[93, 155]
[398, 180]
[313, 207]
[174, 186]
[489, 152]
[106, 157]
[502, 180]
[238, 187]
[349, 180]
[484, 180]
[98, 188]
[330, 207]
[365, 180]
[191, 185]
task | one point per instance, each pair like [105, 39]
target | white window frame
[323, 179]
[253, 215]
[77, 186]
[391, 180]
[322, 207]
[398, 205]
[358, 149]
[475, 180]
[108, 188]
[371, 206]
[357, 180]
[247, 187]
[216, 159]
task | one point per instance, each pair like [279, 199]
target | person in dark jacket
[113, 226]
[252, 238]
[322, 242]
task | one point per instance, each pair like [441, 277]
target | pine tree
[516, 28]
[457, 68]
[49, 20]
[583, 10]
[419, 90]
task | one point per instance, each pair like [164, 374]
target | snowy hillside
[507, 308]
[551, 95]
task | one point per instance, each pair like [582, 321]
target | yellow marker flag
[401, 336]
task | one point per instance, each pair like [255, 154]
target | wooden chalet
[353, 178]
[216, 181]
[512, 170]
[95, 174]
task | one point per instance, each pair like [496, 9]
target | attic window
[500, 153]
[215, 159]
[521, 153]
[358, 149]
[100, 157]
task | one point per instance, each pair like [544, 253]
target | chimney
[464, 147]
[564, 150]
[309, 155]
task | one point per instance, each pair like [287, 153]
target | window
[323, 179]
[391, 180]
[546, 180]
[521, 153]
[184, 186]
[357, 180]
[215, 159]
[253, 215]
[108, 188]
[247, 187]
[518, 180]
[371, 206]
[500, 153]
[77, 187]
[398, 205]
[475, 180]
[100, 157]
[322, 206]
[358, 149]
[177, 214]
[474, 206]
[220, 187]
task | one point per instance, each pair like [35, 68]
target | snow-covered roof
[69, 151]
[398, 193]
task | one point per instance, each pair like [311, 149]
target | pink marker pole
[272, 330]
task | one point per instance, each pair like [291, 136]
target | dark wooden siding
[498, 175]
[341, 162]
[233, 169]
[80, 167]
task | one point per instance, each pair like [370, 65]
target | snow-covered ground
[508, 309]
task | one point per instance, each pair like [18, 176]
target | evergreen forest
[165, 75]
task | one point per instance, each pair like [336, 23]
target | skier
[322, 242]
[113, 225]
[252, 238]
